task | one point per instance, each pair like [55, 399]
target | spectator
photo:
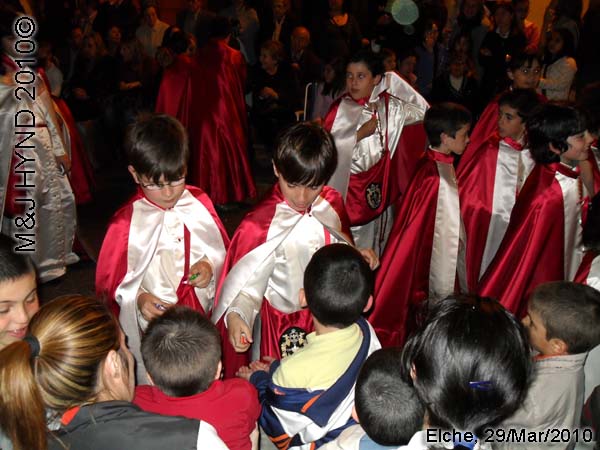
[196, 19]
[151, 32]
[528, 28]
[559, 66]
[332, 86]
[427, 59]
[304, 61]
[338, 35]
[278, 25]
[248, 28]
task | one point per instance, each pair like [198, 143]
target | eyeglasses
[159, 186]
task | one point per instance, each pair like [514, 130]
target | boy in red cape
[166, 245]
[543, 239]
[490, 179]
[258, 292]
[422, 255]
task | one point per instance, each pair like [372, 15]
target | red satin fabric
[186, 294]
[584, 268]
[250, 234]
[112, 261]
[402, 281]
[175, 93]
[391, 174]
[274, 323]
[532, 251]
[476, 177]
[219, 156]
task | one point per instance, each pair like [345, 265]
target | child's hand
[245, 372]
[239, 333]
[263, 364]
[200, 274]
[151, 306]
[367, 129]
[370, 257]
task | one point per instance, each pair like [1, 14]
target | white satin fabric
[446, 235]
[512, 169]
[153, 234]
[572, 201]
[55, 214]
[406, 106]
[593, 278]
[275, 269]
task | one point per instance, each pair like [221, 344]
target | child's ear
[354, 414]
[133, 174]
[369, 304]
[218, 372]
[443, 138]
[553, 149]
[302, 298]
[111, 370]
[150, 380]
[378, 79]
[275, 169]
[510, 75]
[559, 347]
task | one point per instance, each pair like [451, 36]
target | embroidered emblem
[373, 195]
[291, 340]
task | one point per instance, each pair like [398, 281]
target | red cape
[402, 281]
[112, 261]
[532, 251]
[391, 174]
[476, 176]
[584, 268]
[251, 233]
[175, 93]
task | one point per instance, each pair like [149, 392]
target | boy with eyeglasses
[166, 245]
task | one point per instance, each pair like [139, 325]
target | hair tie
[34, 345]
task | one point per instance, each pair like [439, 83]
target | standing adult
[151, 32]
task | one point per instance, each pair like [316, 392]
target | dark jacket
[120, 425]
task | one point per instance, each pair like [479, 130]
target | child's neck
[321, 329]
[441, 149]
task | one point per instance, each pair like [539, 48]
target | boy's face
[510, 123]
[299, 197]
[526, 77]
[360, 82]
[458, 143]
[537, 332]
[578, 147]
[18, 304]
[164, 193]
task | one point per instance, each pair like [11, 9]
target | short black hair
[589, 102]
[570, 312]
[388, 408]
[471, 362]
[181, 351]
[524, 101]
[305, 155]
[13, 264]
[157, 145]
[591, 229]
[552, 124]
[338, 283]
[219, 28]
[373, 61]
[445, 118]
[521, 59]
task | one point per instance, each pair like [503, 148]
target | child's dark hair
[338, 283]
[552, 124]
[305, 155]
[157, 145]
[589, 101]
[471, 363]
[521, 59]
[524, 101]
[181, 351]
[445, 118]
[388, 408]
[568, 48]
[570, 312]
[591, 229]
[13, 264]
[334, 89]
[373, 61]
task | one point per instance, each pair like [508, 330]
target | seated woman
[74, 365]
[275, 92]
